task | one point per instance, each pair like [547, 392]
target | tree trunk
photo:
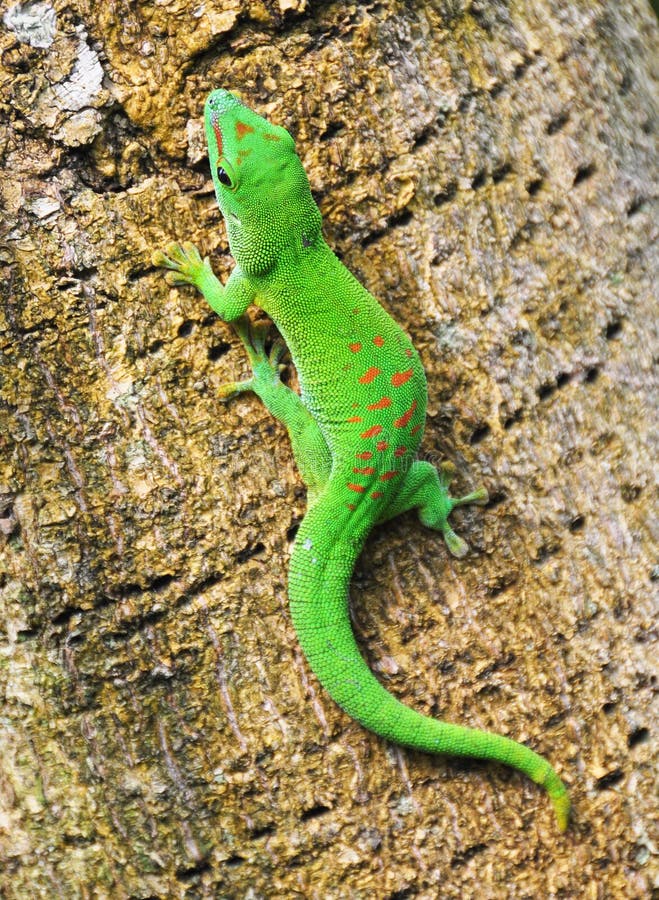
[486, 168]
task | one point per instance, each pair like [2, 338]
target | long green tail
[321, 567]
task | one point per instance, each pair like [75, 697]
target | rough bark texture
[486, 168]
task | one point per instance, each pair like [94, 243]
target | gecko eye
[223, 177]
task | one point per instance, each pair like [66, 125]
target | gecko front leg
[229, 301]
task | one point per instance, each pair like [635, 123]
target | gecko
[355, 425]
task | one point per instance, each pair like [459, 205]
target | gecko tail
[321, 566]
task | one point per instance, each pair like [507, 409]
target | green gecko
[355, 426]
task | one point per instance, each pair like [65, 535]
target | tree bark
[487, 169]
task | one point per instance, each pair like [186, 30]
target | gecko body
[355, 426]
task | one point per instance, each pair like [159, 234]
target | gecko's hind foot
[266, 365]
[439, 504]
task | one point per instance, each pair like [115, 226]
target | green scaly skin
[354, 429]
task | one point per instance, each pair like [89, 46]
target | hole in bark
[461, 858]
[185, 328]
[577, 523]
[263, 831]
[613, 330]
[513, 419]
[332, 130]
[638, 736]
[545, 390]
[26, 634]
[161, 582]
[217, 351]
[66, 615]
[315, 812]
[478, 180]
[501, 171]
[249, 552]
[496, 499]
[583, 173]
[635, 206]
[592, 374]
[557, 122]
[481, 432]
[608, 780]
[534, 186]
[446, 195]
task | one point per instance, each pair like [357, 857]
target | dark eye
[222, 177]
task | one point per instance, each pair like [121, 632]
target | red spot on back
[381, 404]
[405, 418]
[355, 312]
[242, 129]
[387, 476]
[400, 451]
[415, 429]
[377, 494]
[271, 137]
[378, 341]
[399, 378]
[365, 455]
[351, 507]
[372, 431]
[355, 347]
[365, 470]
[369, 375]
[381, 445]
[359, 488]
[354, 419]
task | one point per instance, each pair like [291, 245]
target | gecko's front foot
[184, 263]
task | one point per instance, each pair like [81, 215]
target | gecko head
[261, 186]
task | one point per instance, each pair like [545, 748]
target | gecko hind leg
[426, 489]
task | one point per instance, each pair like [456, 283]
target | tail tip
[562, 810]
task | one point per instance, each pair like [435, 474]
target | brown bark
[486, 168]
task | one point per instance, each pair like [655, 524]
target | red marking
[400, 451]
[381, 404]
[369, 375]
[405, 418]
[365, 455]
[242, 129]
[351, 507]
[401, 377]
[354, 419]
[371, 432]
[408, 352]
[378, 341]
[365, 470]
[359, 488]
[218, 138]
[381, 445]
[415, 429]
[355, 347]
[388, 475]
[377, 494]
[271, 137]
[355, 312]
